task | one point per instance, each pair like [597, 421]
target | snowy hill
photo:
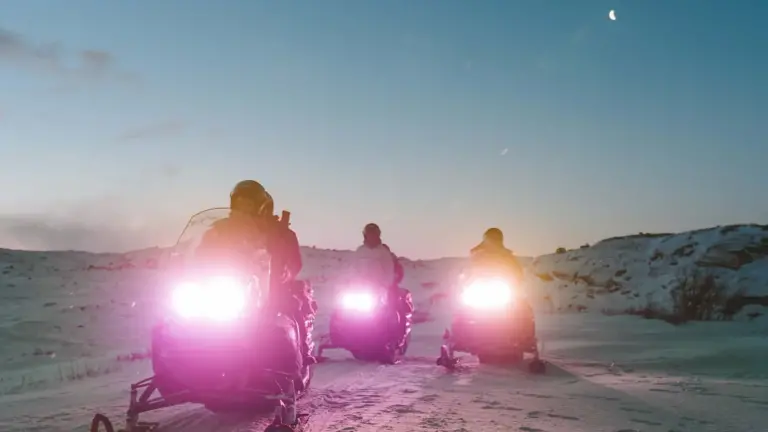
[69, 320]
[642, 272]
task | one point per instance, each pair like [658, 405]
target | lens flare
[358, 301]
[487, 294]
[220, 299]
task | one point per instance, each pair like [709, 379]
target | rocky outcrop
[735, 253]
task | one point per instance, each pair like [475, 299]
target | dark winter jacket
[286, 252]
[399, 271]
[241, 236]
[489, 255]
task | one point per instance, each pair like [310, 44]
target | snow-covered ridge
[630, 273]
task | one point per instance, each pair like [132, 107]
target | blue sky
[118, 119]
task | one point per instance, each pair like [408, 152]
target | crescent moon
[612, 15]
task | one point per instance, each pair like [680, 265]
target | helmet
[372, 230]
[493, 235]
[372, 235]
[250, 196]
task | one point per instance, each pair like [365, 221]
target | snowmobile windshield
[220, 266]
[376, 270]
[491, 266]
[367, 284]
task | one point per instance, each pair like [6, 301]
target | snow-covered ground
[68, 320]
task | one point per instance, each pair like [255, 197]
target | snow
[631, 272]
[68, 320]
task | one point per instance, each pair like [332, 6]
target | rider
[491, 254]
[374, 248]
[491, 251]
[251, 217]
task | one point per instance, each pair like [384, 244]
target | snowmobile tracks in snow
[478, 397]
[416, 395]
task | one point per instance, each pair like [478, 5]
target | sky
[435, 119]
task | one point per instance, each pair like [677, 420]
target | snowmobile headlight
[487, 294]
[219, 299]
[359, 301]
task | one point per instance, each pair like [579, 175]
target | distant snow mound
[636, 273]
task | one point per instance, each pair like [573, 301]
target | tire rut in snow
[333, 375]
[380, 401]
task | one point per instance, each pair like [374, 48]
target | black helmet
[372, 230]
[252, 191]
[493, 235]
[372, 235]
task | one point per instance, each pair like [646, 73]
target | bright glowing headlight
[360, 301]
[219, 299]
[487, 294]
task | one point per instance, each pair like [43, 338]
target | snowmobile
[218, 344]
[493, 321]
[365, 323]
